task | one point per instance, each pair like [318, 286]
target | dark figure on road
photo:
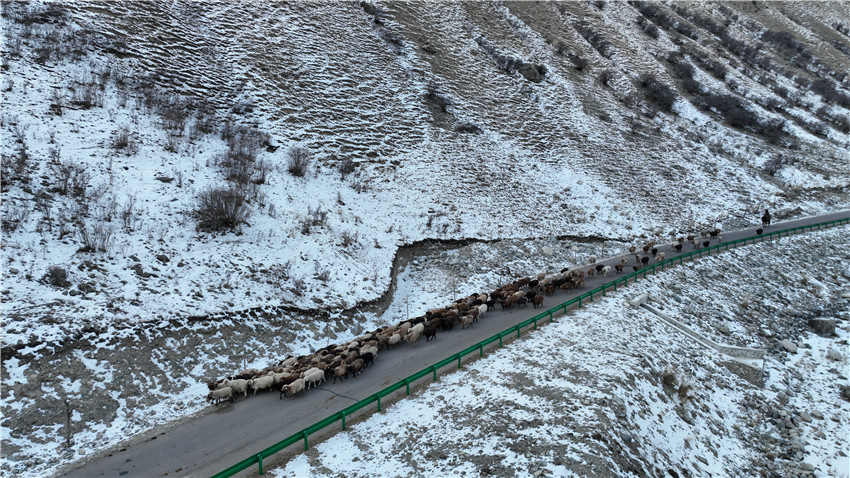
[765, 220]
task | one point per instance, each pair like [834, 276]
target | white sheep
[295, 387]
[394, 340]
[238, 386]
[220, 394]
[313, 376]
[605, 271]
[261, 383]
[288, 362]
[482, 309]
[660, 257]
[414, 334]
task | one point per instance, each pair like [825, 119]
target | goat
[605, 271]
[619, 268]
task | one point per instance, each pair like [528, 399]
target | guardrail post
[579, 302]
[500, 340]
[260, 462]
[480, 349]
[550, 317]
[305, 439]
[379, 401]
[434, 369]
[459, 365]
[603, 290]
[407, 383]
[591, 296]
[517, 331]
[343, 420]
[535, 324]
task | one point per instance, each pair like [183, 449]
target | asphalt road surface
[227, 434]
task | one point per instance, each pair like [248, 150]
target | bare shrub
[129, 215]
[606, 76]
[669, 378]
[87, 96]
[73, 178]
[596, 39]
[579, 62]
[125, 141]
[299, 286]
[345, 167]
[221, 208]
[96, 238]
[56, 276]
[468, 128]
[314, 218]
[349, 239]
[438, 99]
[658, 93]
[14, 215]
[298, 161]
[773, 165]
[648, 27]
[58, 101]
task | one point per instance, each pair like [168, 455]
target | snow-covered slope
[577, 399]
[500, 120]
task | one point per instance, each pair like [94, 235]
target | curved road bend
[228, 434]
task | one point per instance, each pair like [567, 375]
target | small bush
[349, 239]
[314, 218]
[298, 161]
[57, 103]
[73, 179]
[124, 140]
[96, 238]
[433, 95]
[57, 277]
[87, 96]
[579, 62]
[221, 209]
[657, 93]
[606, 76]
[468, 128]
[345, 167]
[596, 39]
[773, 165]
[648, 27]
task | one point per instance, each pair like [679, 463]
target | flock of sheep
[295, 375]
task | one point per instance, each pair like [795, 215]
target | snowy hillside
[575, 399]
[528, 126]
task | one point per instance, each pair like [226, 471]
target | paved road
[228, 434]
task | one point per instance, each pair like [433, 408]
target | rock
[789, 346]
[724, 329]
[817, 414]
[805, 417]
[162, 258]
[825, 327]
[548, 251]
[833, 354]
[807, 466]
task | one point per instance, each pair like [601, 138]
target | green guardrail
[479, 347]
